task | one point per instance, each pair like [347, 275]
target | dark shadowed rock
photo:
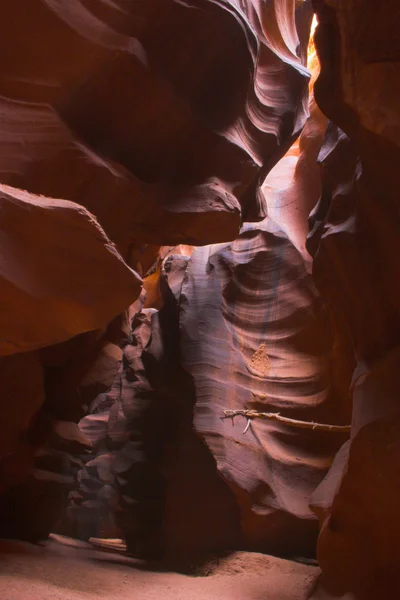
[355, 244]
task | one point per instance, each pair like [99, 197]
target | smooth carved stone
[162, 142]
[355, 233]
[57, 269]
[358, 501]
[355, 244]
[293, 187]
[254, 335]
[360, 65]
[131, 211]
[201, 515]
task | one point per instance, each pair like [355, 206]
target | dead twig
[251, 414]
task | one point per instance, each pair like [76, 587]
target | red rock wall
[161, 119]
[129, 126]
[355, 244]
[256, 336]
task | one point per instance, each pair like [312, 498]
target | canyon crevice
[199, 209]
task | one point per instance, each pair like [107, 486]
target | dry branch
[251, 414]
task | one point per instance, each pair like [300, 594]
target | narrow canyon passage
[199, 303]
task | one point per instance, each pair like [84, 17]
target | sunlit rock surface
[293, 187]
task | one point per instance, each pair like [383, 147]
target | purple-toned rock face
[255, 336]
[185, 230]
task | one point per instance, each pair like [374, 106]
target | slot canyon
[199, 314]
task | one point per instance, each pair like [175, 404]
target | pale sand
[71, 570]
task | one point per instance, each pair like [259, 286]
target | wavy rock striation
[356, 248]
[163, 143]
[113, 108]
[255, 336]
[130, 126]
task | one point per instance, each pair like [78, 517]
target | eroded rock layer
[245, 321]
[255, 336]
[355, 243]
[151, 473]
[164, 143]
[128, 126]
[56, 288]
[113, 108]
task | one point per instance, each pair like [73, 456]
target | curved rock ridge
[360, 57]
[293, 187]
[282, 32]
[127, 128]
[353, 236]
[151, 480]
[57, 266]
[161, 128]
[256, 336]
[355, 244]
[37, 150]
[357, 502]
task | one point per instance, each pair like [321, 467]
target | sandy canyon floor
[67, 570]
